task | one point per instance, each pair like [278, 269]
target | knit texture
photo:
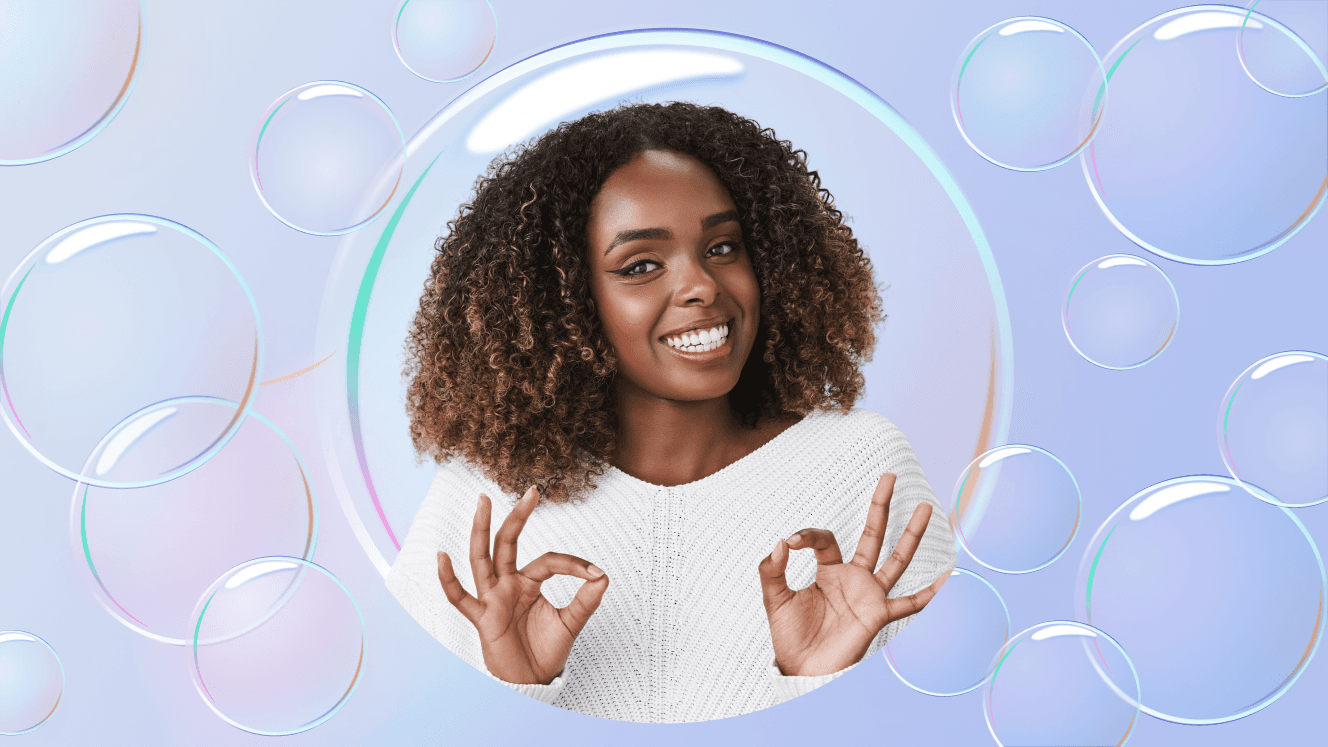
[681, 634]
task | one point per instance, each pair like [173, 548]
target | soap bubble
[444, 40]
[66, 69]
[1061, 683]
[1217, 596]
[1121, 311]
[916, 227]
[1273, 429]
[1275, 55]
[327, 157]
[1015, 509]
[31, 682]
[1193, 162]
[1028, 93]
[278, 646]
[110, 316]
[949, 646]
[146, 553]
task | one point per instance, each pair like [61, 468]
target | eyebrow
[638, 234]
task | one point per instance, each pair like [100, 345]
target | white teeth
[700, 340]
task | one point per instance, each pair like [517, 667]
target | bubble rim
[58, 698]
[257, 140]
[6, 299]
[885, 650]
[1224, 449]
[1085, 573]
[1065, 311]
[201, 607]
[957, 74]
[1240, 53]
[396, 46]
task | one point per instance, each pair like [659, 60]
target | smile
[701, 345]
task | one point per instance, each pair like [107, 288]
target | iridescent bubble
[444, 40]
[1061, 683]
[1028, 93]
[66, 69]
[1121, 311]
[146, 553]
[110, 316]
[949, 647]
[1273, 429]
[1193, 162]
[278, 646]
[1275, 55]
[327, 157]
[31, 682]
[1015, 509]
[1217, 596]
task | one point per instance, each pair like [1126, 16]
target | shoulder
[860, 431]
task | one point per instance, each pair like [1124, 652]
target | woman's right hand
[525, 639]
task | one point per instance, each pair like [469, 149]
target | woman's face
[666, 254]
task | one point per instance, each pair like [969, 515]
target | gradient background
[178, 149]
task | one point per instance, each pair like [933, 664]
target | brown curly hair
[507, 364]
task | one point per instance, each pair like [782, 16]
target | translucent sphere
[1015, 508]
[146, 553]
[949, 647]
[278, 646]
[1028, 93]
[921, 235]
[1217, 596]
[1061, 683]
[110, 316]
[1274, 51]
[66, 69]
[327, 157]
[1194, 162]
[444, 40]
[1272, 429]
[31, 682]
[1121, 311]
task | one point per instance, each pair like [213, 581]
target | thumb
[584, 603]
[774, 586]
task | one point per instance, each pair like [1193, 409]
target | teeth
[700, 340]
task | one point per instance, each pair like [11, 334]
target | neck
[672, 442]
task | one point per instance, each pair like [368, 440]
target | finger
[504, 543]
[902, 555]
[481, 566]
[551, 564]
[822, 541]
[873, 535]
[456, 594]
[584, 603]
[774, 585]
[914, 603]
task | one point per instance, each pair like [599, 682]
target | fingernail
[595, 571]
[794, 538]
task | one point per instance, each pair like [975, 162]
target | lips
[720, 322]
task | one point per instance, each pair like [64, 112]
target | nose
[696, 282]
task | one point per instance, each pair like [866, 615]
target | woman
[593, 312]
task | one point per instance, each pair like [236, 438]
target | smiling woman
[593, 312]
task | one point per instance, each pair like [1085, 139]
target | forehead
[658, 189]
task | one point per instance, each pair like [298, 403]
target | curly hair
[508, 366]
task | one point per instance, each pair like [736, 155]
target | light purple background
[178, 150]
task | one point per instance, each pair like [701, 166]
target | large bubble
[1218, 597]
[1193, 161]
[1275, 52]
[111, 316]
[327, 157]
[952, 400]
[278, 646]
[147, 553]
[1028, 93]
[1121, 311]
[444, 40]
[66, 69]
[1272, 428]
[32, 681]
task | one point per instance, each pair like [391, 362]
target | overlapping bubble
[1015, 508]
[949, 647]
[444, 40]
[278, 646]
[327, 157]
[1028, 93]
[1121, 311]
[147, 553]
[1060, 683]
[1276, 55]
[67, 67]
[32, 680]
[111, 316]
[1217, 596]
[1272, 428]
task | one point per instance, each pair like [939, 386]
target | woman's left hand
[828, 625]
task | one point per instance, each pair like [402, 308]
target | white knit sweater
[681, 634]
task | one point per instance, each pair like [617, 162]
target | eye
[627, 271]
[732, 245]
